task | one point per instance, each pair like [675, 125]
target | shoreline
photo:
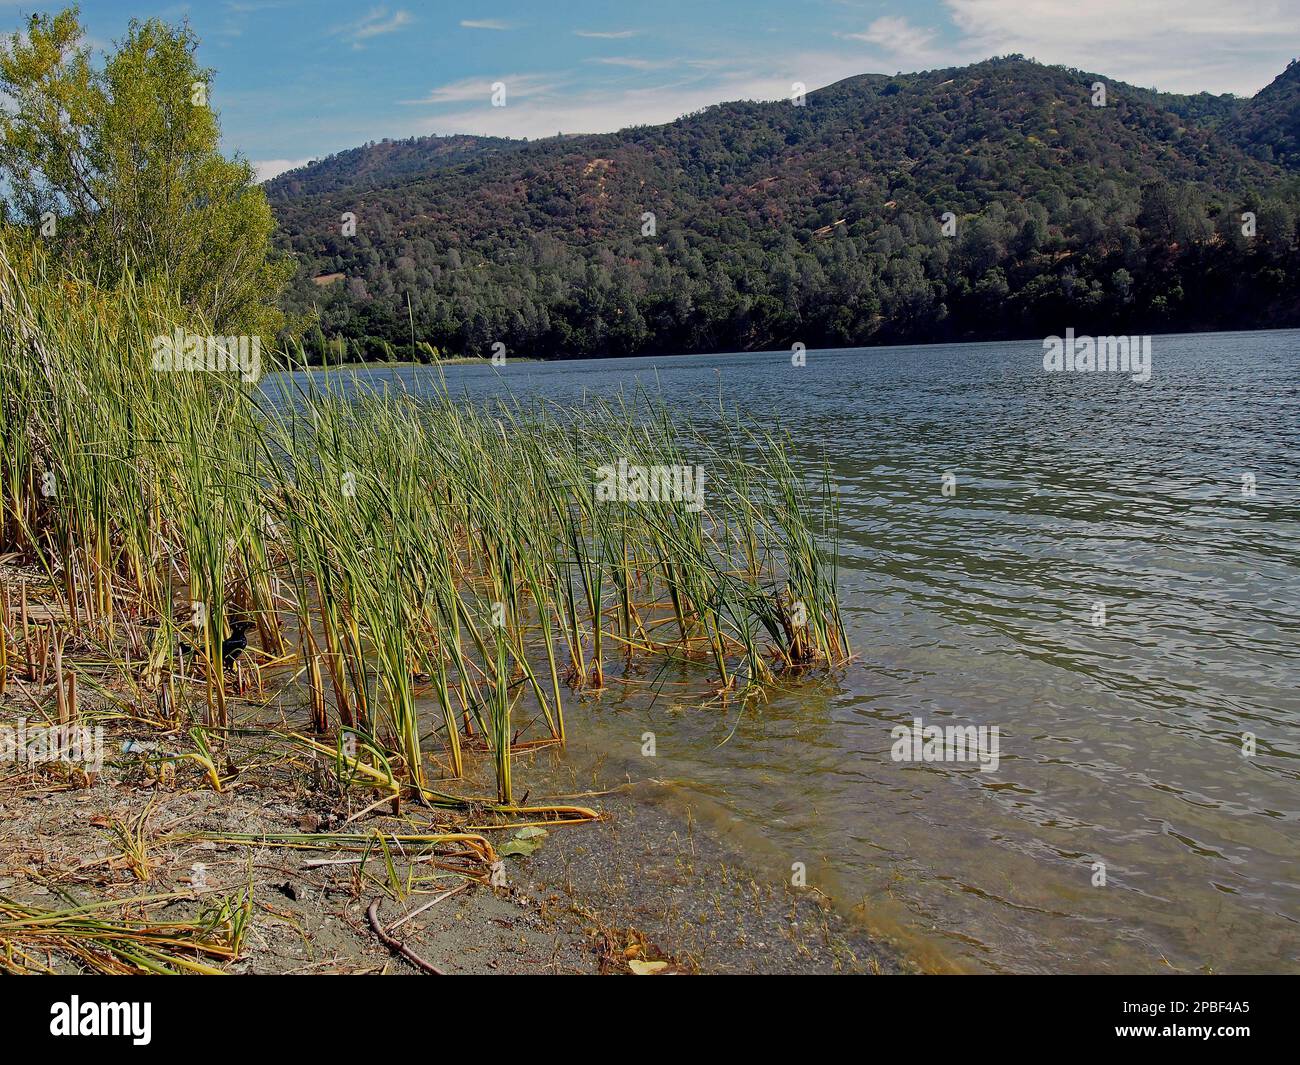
[644, 887]
[455, 360]
[783, 352]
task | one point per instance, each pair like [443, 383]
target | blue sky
[298, 79]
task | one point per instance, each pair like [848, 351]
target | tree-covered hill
[825, 224]
[1269, 125]
[382, 163]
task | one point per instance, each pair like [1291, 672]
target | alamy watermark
[190, 352]
[919, 742]
[52, 743]
[1085, 354]
[77, 1018]
[624, 482]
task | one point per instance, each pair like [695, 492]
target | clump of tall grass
[392, 549]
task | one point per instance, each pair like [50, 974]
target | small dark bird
[231, 647]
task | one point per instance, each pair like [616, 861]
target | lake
[1112, 580]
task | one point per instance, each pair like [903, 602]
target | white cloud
[485, 24]
[904, 43]
[607, 35]
[471, 89]
[545, 111]
[265, 169]
[631, 62]
[375, 23]
[1177, 45]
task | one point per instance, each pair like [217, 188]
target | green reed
[393, 549]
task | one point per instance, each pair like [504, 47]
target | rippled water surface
[1120, 744]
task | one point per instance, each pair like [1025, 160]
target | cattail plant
[394, 552]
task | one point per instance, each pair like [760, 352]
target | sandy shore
[644, 888]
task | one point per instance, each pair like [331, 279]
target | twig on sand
[396, 945]
[419, 910]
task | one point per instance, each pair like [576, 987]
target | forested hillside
[822, 224]
[383, 163]
[1270, 126]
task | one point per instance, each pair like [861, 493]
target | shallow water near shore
[1120, 743]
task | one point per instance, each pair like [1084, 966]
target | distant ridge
[382, 162]
[823, 224]
[1269, 125]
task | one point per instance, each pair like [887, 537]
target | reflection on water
[1120, 744]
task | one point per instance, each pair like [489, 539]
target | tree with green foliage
[120, 165]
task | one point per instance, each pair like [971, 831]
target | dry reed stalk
[60, 695]
[27, 636]
[6, 608]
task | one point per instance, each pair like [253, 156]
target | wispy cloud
[518, 86]
[248, 7]
[375, 23]
[1177, 45]
[486, 24]
[546, 111]
[607, 35]
[632, 62]
[899, 39]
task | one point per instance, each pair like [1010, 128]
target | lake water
[1120, 743]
